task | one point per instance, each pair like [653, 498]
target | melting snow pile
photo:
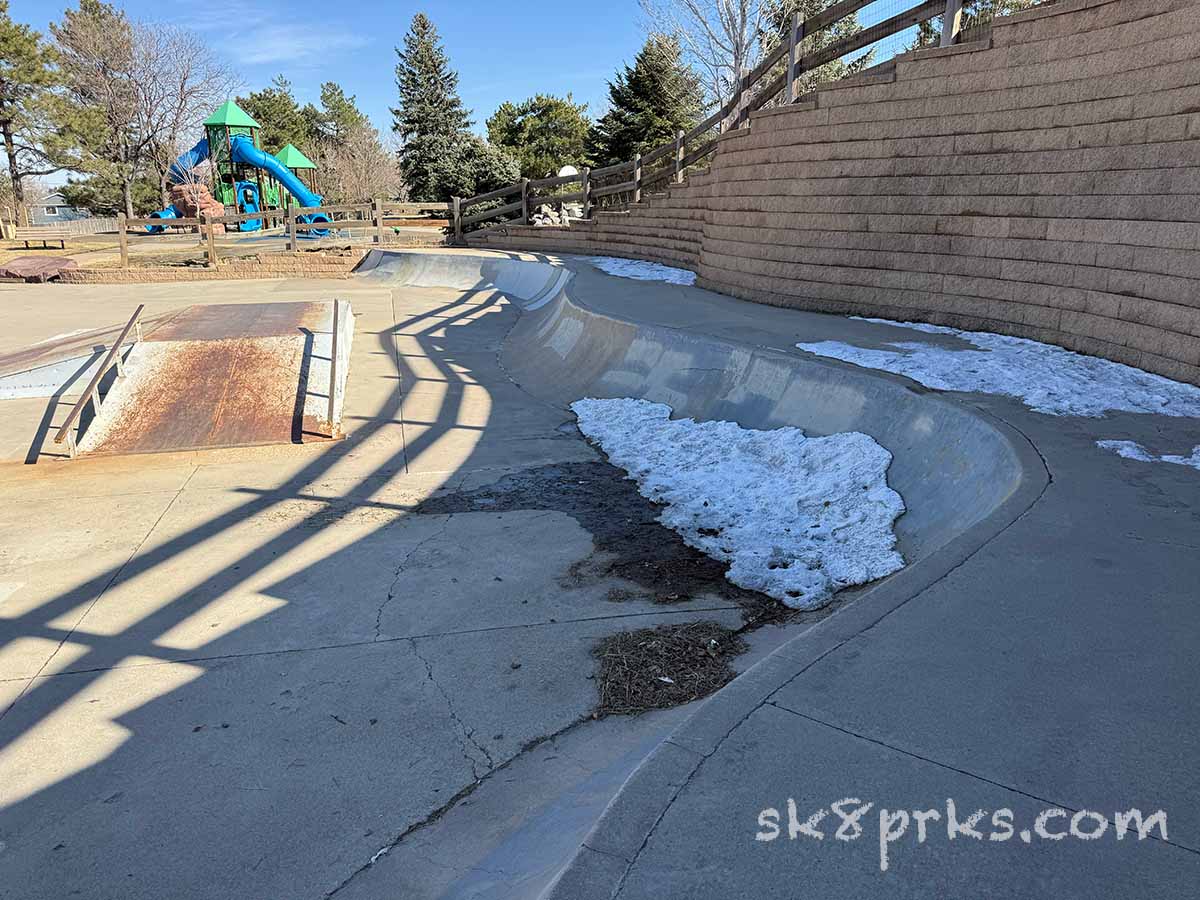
[1046, 378]
[797, 518]
[1134, 450]
[642, 270]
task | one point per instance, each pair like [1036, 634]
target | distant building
[55, 209]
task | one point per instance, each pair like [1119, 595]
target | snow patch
[1045, 378]
[797, 518]
[642, 270]
[1134, 450]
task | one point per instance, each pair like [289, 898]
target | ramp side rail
[92, 391]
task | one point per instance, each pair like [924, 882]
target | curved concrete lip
[964, 475]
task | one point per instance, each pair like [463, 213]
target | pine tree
[96, 53]
[26, 103]
[279, 116]
[649, 102]
[544, 133]
[338, 116]
[779, 19]
[430, 120]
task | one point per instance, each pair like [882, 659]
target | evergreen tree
[544, 133]
[279, 116]
[337, 118]
[430, 120]
[649, 102]
[779, 19]
[439, 156]
[103, 194]
[95, 50]
[32, 139]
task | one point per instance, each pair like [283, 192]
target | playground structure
[244, 176]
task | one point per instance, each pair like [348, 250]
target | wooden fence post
[951, 23]
[679, 156]
[123, 239]
[292, 244]
[209, 227]
[378, 210]
[637, 177]
[457, 217]
[793, 40]
[524, 201]
[585, 176]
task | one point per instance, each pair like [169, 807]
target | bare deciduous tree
[720, 38]
[180, 81]
[358, 166]
[145, 88]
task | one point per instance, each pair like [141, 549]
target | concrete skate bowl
[956, 467]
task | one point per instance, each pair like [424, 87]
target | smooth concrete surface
[245, 673]
[308, 672]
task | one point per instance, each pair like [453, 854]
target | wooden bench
[43, 234]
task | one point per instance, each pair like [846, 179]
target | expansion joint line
[100, 594]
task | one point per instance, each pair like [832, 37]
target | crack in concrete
[391, 594]
[468, 734]
[463, 794]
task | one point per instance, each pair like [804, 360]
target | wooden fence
[667, 163]
[371, 220]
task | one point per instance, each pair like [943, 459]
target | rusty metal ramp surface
[226, 375]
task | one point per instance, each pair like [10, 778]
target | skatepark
[708, 548]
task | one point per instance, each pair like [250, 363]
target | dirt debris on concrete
[657, 668]
[647, 560]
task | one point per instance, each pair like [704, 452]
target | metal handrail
[91, 392]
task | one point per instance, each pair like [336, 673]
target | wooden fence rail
[760, 86]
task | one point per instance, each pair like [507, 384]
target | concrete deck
[361, 669]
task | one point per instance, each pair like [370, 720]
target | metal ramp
[222, 375]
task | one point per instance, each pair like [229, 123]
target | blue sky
[352, 43]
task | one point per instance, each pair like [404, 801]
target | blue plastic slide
[244, 151]
[188, 161]
[176, 175]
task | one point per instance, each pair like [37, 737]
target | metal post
[524, 201]
[951, 23]
[586, 176]
[679, 156]
[378, 210]
[637, 177]
[333, 352]
[123, 237]
[793, 40]
[457, 217]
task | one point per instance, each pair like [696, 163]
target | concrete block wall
[1044, 182]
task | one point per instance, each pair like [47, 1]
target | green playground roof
[294, 159]
[229, 113]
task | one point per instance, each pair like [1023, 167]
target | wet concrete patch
[644, 559]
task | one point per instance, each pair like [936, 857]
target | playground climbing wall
[1043, 182]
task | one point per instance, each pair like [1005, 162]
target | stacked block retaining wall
[1043, 182]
